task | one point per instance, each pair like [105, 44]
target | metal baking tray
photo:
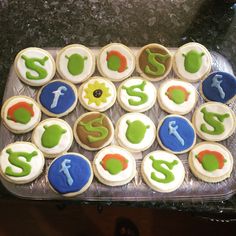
[191, 189]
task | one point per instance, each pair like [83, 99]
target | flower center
[97, 93]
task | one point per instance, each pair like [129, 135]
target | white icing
[115, 75]
[149, 136]
[65, 140]
[183, 108]
[110, 99]
[89, 63]
[18, 126]
[211, 147]
[217, 108]
[49, 65]
[149, 89]
[178, 171]
[36, 163]
[179, 61]
[124, 174]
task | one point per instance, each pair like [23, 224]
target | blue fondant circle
[79, 170]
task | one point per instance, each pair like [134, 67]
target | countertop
[133, 23]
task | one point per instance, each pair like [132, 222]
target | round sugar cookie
[75, 63]
[21, 162]
[53, 137]
[192, 62]
[116, 62]
[114, 166]
[20, 114]
[176, 134]
[177, 97]
[58, 98]
[70, 174]
[93, 131]
[162, 171]
[136, 95]
[34, 66]
[97, 94]
[214, 121]
[211, 162]
[219, 86]
[135, 131]
[154, 62]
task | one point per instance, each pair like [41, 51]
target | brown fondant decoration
[143, 60]
[82, 133]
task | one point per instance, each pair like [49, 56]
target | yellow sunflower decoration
[97, 93]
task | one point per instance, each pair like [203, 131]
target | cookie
[21, 162]
[116, 62]
[57, 98]
[154, 62]
[219, 86]
[162, 171]
[53, 137]
[114, 166]
[75, 63]
[93, 131]
[210, 162]
[70, 174]
[192, 62]
[177, 97]
[214, 121]
[135, 131]
[176, 134]
[136, 95]
[97, 94]
[34, 66]
[20, 114]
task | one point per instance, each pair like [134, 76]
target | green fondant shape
[158, 166]
[113, 63]
[214, 120]
[114, 166]
[75, 64]
[178, 96]
[22, 116]
[14, 160]
[193, 61]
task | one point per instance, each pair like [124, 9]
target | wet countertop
[133, 23]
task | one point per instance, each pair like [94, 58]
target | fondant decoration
[20, 112]
[135, 131]
[58, 98]
[219, 86]
[75, 63]
[193, 61]
[162, 171]
[93, 130]
[21, 162]
[210, 162]
[177, 94]
[116, 62]
[176, 134]
[70, 174]
[114, 166]
[154, 61]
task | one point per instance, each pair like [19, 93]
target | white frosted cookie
[34, 66]
[162, 171]
[70, 174]
[21, 162]
[192, 62]
[116, 62]
[154, 62]
[20, 114]
[136, 94]
[135, 131]
[114, 166]
[53, 137]
[177, 97]
[214, 121]
[75, 63]
[97, 94]
[93, 131]
[210, 162]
